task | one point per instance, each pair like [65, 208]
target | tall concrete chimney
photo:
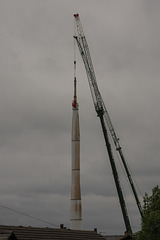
[75, 210]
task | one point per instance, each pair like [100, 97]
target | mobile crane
[106, 123]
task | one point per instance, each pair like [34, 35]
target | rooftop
[36, 233]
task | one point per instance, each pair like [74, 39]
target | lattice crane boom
[105, 120]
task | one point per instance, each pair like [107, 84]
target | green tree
[150, 225]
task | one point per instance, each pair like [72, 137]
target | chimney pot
[61, 226]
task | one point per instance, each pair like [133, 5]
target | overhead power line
[27, 215]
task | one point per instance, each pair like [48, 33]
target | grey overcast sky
[36, 92]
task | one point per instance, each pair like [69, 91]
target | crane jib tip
[76, 15]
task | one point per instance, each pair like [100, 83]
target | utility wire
[27, 215]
